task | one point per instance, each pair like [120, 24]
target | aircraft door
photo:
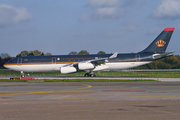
[54, 60]
[137, 57]
[19, 61]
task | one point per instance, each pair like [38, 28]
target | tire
[86, 75]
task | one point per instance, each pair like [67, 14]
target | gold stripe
[50, 63]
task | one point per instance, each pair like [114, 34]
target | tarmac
[90, 100]
[105, 78]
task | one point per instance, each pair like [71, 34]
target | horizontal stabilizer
[162, 55]
[167, 53]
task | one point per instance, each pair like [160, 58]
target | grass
[99, 74]
[97, 80]
[76, 80]
[7, 80]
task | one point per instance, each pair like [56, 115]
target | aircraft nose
[5, 65]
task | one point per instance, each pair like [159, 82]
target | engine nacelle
[68, 69]
[85, 66]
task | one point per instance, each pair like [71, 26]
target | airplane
[95, 62]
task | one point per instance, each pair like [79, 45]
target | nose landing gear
[22, 74]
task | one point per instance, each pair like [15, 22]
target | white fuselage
[56, 67]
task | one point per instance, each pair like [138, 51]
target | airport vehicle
[94, 62]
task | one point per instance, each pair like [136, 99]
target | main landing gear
[91, 74]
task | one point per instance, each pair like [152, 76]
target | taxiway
[90, 100]
[105, 78]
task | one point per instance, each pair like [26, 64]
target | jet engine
[68, 69]
[85, 66]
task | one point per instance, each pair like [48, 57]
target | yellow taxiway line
[41, 92]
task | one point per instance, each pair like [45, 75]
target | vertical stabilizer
[160, 44]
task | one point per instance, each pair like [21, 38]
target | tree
[3, 55]
[101, 52]
[0, 61]
[83, 52]
[31, 53]
[73, 53]
[45, 53]
[42, 54]
[23, 53]
[36, 52]
[171, 62]
[6, 59]
[48, 53]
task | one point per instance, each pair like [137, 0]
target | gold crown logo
[25, 59]
[160, 43]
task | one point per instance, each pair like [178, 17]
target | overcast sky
[62, 26]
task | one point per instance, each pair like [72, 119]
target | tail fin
[160, 44]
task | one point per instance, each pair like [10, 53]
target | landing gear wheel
[92, 75]
[89, 75]
[86, 75]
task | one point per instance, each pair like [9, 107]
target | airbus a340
[94, 62]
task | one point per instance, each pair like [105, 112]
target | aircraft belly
[35, 68]
[125, 65]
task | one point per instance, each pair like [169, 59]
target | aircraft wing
[97, 64]
[97, 61]
[102, 60]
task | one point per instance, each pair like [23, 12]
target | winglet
[113, 56]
